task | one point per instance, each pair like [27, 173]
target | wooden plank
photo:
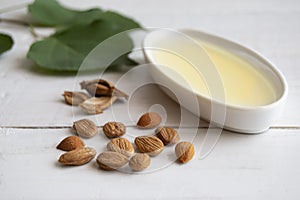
[272, 30]
[264, 166]
[33, 99]
[240, 166]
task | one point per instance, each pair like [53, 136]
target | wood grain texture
[239, 167]
[269, 27]
[264, 166]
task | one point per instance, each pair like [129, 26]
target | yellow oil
[242, 84]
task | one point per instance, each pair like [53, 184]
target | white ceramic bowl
[245, 119]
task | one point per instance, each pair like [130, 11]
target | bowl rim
[256, 54]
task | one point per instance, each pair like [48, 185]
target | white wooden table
[33, 117]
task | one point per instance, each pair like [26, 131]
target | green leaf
[55, 55]
[80, 33]
[6, 42]
[51, 13]
[121, 21]
[66, 49]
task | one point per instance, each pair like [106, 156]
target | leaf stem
[14, 21]
[21, 23]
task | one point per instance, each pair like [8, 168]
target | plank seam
[67, 127]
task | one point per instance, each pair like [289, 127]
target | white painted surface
[264, 166]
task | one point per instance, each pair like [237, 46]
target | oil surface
[243, 84]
